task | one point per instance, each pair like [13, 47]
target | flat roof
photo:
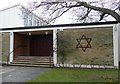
[60, 25]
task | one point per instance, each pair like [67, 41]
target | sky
[7, 3]
[66, 18]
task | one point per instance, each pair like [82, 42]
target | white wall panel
[11, 18]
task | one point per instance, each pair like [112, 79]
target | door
[41, 45]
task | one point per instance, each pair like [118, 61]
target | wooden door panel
[41, 45]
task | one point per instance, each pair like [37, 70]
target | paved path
[19, 74]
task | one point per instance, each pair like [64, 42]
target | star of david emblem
[84, 43]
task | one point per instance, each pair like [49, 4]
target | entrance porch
[33, 48]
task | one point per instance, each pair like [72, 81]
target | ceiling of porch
[36, 32]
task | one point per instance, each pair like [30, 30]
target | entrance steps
[37, 61]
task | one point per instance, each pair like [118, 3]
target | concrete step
[33, 61]
[31, 65]
[21, 62]
[32, 58]
[39, 61]
[35, 57]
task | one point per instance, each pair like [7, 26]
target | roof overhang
[60, 26]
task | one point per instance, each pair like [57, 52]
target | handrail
[13, 51]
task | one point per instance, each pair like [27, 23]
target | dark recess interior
[33, 45]
[41, 45]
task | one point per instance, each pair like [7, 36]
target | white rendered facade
[19, 16]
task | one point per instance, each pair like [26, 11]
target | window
[34, 22]
[30, 20]
[25, 19]
[37, 22]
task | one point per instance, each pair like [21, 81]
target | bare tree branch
[102, 16]
[86, 15]
[60, 14]
[57, 9]
[106, 11]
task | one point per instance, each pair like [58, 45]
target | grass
[77, 75]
